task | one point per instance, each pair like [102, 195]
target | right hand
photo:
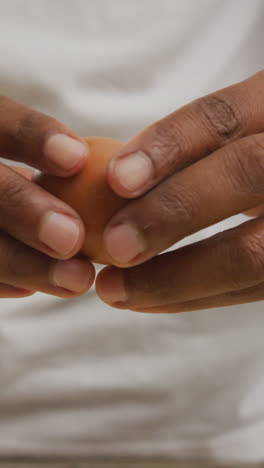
[39, 234]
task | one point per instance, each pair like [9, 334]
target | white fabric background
[78, 377]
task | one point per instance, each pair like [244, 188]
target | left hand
[192, 169]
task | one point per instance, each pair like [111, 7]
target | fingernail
[133, 171]
[59, 232]
[73, 274]
[64, 151]
[110, 286]
[123, 243]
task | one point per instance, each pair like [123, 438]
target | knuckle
[167, 144]
[167, 214]
[30, 131]
[179, 203]
[248, 164]
[256, 161]
[26, 128]
[19, 137]
[12, 193]
[247, 259]
[220, 116]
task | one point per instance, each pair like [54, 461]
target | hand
[195, 167]
[39, 233]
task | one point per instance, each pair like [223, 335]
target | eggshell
[90, 195]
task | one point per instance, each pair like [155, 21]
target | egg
[90, 195]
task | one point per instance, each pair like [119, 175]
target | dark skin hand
[39, 234]
[192, 169]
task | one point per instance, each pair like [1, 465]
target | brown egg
[90, 195]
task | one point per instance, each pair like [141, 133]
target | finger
[39, 140]
[227, 182]
[23, 267]
[232, 298]
[187, 135]
[24, 171]
[12, 292]
[231, 260]
[36, 218]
